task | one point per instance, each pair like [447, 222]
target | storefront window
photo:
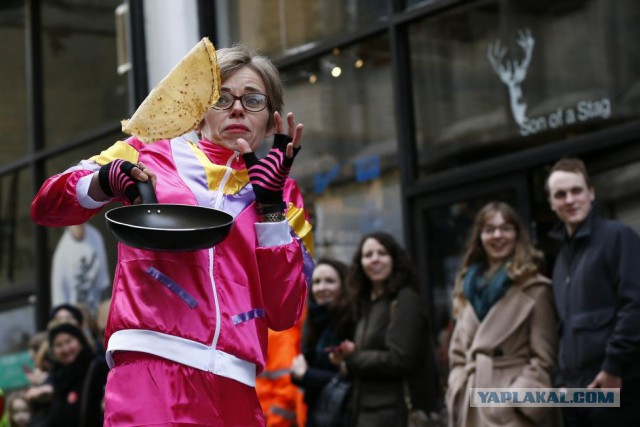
[279, 27]
[345, 101]
[17, 327]
[617, 194]
[61, 163]
[16, 238]
[83, 89]
[496, 77]
[13, 108]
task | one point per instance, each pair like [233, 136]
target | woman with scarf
[329, 322]
[505, 331]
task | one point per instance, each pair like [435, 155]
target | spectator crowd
[363, 354]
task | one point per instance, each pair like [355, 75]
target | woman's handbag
[331, 407]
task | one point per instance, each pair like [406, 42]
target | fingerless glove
[116, 181]
[267, 175]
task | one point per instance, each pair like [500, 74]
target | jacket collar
[219, 155]
[506, 315]
[559, 231]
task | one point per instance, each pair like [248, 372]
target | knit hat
[70, 329]
[75, 312]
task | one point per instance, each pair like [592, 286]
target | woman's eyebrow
[245, 89]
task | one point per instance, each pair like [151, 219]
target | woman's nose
[237, 107]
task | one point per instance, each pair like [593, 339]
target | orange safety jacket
[279, 397]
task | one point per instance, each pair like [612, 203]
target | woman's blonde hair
[524, 263]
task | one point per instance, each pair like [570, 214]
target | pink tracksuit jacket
[208, 309]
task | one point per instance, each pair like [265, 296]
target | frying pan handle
[147, 193]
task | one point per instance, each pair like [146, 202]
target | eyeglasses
[504, 229]
[252, 102]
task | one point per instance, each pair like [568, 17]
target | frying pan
[167, 227]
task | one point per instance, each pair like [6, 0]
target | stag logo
[513, 72]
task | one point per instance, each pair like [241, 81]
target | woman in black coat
[78, 376]
[391, 345]
[329, 322]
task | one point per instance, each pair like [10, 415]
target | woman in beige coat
[505, 331]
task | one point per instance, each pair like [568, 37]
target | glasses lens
[504, 229]
[254, 101]
[224, 102]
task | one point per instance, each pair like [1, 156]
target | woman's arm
[405, 339]
[284, 258]
[543, 344]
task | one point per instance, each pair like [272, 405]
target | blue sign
[367, 168]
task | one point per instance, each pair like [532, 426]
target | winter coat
[514, 346]
[320, 370]
[78, 390]
[390, 340]
[596, 281]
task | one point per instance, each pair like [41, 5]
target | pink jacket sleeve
[286, 269]
[56, 203]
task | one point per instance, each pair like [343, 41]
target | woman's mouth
[236, 129]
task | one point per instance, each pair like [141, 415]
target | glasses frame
[504, 229]
[241, 99]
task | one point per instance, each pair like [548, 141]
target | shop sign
[513, 72]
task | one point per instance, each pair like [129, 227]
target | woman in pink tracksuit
[187, 331]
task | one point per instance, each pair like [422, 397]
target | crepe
[179, 102]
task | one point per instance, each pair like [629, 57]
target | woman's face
[498, 238]
[224, 127]
[20, 414]
[325, 285]
[66, 348]
[376, 261]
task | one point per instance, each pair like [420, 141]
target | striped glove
[267, 175]
[116, 181]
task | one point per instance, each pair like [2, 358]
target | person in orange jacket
[281, 399]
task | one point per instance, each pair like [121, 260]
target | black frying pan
[167, 227]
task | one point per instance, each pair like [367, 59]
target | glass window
[617, 194]
[59, 164]
[341, 215]
[16, 231]
[83, 89]
[345, 101]
[496, 77]
[17, 327]
[13, 104]
[278, 27]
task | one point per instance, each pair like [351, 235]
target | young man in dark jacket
[596, 280]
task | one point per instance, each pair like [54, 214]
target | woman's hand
[299, 367]
[341, 352]
[117, 179]
[268, 175]
[294, 132]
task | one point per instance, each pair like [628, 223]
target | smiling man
[596, 281]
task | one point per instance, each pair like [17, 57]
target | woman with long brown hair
[505, 331]
[391, 346]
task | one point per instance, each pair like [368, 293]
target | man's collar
[559, 231]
